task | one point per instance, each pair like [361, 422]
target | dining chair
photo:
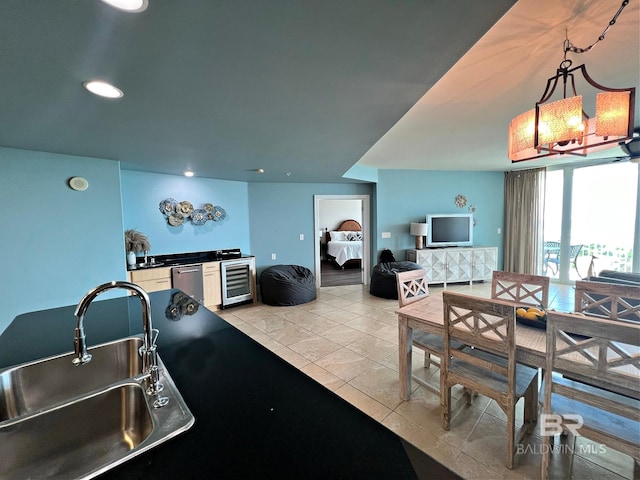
[608, 300]
[520, 288]
[601, 400]
[489, 368]
[412, 287]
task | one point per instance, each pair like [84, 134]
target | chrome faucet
[148, 348]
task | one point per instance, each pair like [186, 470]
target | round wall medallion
[78, 183]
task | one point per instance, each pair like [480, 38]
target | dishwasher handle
[193, 270]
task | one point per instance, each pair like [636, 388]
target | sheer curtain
[523, 220]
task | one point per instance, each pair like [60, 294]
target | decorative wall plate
[175, 219]
[460, 201]
[218, 214]
[184, 208]
[167, 206]
[177, 212]
[199, 217]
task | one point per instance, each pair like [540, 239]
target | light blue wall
[142, 193]
[57, 243]
[280, 212]
[406, 196]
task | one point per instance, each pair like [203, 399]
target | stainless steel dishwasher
[189, 279]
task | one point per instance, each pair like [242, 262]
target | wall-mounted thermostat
[78, 183]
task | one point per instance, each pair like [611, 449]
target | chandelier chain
[569, 47]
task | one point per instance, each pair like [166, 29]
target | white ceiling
[304, 89]
[461, 122]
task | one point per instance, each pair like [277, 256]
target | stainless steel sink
[30, 387]
[149, 265]
[64, 428]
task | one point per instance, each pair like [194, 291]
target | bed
[344, 244]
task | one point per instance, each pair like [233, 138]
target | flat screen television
[449, 230]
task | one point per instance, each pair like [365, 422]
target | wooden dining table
[427, 315]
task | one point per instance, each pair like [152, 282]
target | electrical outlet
[302, 236]
[273, 256]
[386, 234]
[499, 230]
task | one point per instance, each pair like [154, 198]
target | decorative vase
[131, 258]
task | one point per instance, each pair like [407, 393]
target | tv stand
[456, 264]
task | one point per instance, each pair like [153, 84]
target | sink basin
[59, 425]
[30, 387]
[105, 426]
[149, 265]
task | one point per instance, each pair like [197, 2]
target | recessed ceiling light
[132, 6]
[259, 170]
[103, 89]
[188, 174]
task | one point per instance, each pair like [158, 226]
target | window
[590, 214]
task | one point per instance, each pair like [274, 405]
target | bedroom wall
[405, 196]
[280, 212]
[142, 193]
[58, 243]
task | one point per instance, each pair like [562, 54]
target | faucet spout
[148, 349]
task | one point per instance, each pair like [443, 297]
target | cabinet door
[154, 285]
[459, 265]
[433, 262]
[485, 261]
[212, 285]
[152, 279]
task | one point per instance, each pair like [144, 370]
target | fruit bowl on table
[532, 316]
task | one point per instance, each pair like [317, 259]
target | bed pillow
[354, 236]
[338, 236]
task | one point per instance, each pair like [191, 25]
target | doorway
[329, 212]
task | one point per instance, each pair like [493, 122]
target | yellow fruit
[530, 315]
[520, 312]
[536, 310]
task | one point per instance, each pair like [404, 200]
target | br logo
[552, 424]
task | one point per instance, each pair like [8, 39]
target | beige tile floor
[347, 340]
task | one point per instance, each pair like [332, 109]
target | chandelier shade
[612, 113]
[561, 126]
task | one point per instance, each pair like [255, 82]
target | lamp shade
[612, 113]
[419, 229]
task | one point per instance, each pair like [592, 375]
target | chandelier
[559, 127]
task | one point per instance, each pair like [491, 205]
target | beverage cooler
[237, 281]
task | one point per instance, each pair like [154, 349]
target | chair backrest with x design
[605, 354]
[490, 368]
[520, 288]
[412, 286]
[617, 302]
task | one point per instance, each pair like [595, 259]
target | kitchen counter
[256, 415]
[188, 258]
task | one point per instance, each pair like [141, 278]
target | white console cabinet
[458, 264]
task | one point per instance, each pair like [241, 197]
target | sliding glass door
[590, 220]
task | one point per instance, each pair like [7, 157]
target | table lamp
[419, 230]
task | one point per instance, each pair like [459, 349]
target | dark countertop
[188, 258]
[256, 415]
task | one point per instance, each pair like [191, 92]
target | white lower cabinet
[459, 264]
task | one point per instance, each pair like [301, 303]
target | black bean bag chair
[383, 278]
[287, 285]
